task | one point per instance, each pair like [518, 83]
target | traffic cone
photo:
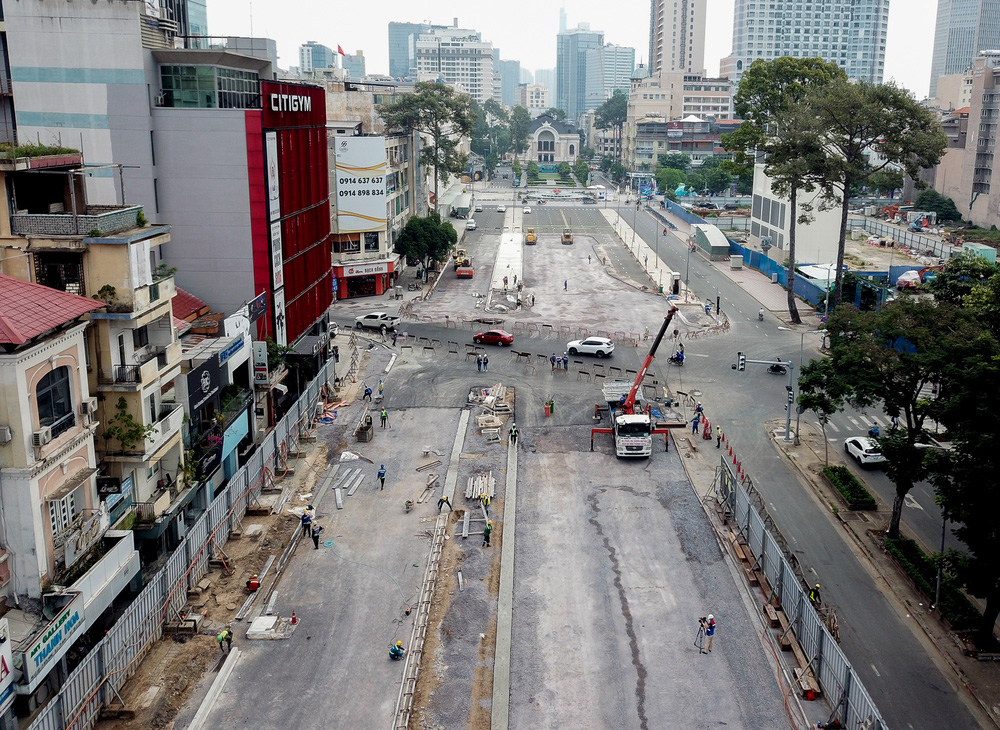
[734, 458]
[730, 449]
[295, 619]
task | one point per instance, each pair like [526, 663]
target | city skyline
[908, 60]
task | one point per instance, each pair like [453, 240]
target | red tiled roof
[28, 310]
[187, 304]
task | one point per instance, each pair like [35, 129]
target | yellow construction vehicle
[529, 237]
[567, 236]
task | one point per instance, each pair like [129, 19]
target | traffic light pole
[741, 365]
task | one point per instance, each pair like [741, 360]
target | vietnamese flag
[341, 51]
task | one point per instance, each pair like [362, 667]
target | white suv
[470, 225]
[600, 346]
[865, 450]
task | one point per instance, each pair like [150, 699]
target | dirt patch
[176, 664]
[430, 675]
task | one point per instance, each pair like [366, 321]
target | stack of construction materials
[481, 484]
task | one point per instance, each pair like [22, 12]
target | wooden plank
[772, 616]
[356, 484]
[465, 525]
[751, 577]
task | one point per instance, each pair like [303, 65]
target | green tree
[606, 163]
[516, 167]
[126, 429]
[618, 173]
[696, 181]
[426, 239]
[886, 182]
[717, 180]
[555, 112]
[490, 163]
[613, 114]
[668, 178]
[933, 201]
[581, 170]
[532, 171]
[676, 160]
[520, 125]
[768, 101]
[889, 358]
[437, 112]
[564, 170]
[710, 163]
[861, 118]
[821, 391]
[961, 275]
[965, 477]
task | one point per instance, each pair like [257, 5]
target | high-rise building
[354, 65]
[191, 17]
[313, 55]
[458, 56]
[547, 78]
[964, 29]
[533, 97]
[571, 67]
[609, 69]
[850, 33]
[527, 77]
[402, 53]
[677, 36]
[510, 77]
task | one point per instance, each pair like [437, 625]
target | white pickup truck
[376, 321]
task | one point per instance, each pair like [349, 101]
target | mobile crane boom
[629, 405]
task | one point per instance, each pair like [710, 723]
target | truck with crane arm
[632, 428]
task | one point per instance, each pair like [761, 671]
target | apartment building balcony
[136, 303]
[157, 362]
[96, 221]
[167, 428]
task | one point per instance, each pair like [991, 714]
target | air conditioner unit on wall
[5, 435]
[42, 436]
[88, 407]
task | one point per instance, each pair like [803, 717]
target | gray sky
[525, 30]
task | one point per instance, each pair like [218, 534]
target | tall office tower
[964, 29]
[458, 56]
[354, 65]
[562, 20]
[402, 56]
[191, 17]
[510, 77]
[547, 78]
[850, 33]
[527, 77]
[609, 68]
[571, 67]
[677, 36]
[313, 55]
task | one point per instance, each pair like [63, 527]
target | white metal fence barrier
[838, 680]
[99, 678]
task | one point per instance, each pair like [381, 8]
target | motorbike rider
[776, 367]
[873, 431]
[677, 357]
[760, 314]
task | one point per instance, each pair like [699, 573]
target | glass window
[55, 401]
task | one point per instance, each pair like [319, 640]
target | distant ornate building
[553, 142]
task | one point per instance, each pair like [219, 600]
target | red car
[494, 337]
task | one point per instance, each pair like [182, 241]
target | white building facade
[457, 56]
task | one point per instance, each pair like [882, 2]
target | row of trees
[890, 359]
[819, 132]
[673, 169]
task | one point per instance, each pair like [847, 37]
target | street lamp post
[798, 412]
[687, 270]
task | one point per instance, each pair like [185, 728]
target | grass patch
[980, 235]
[8, 152]
[853, 491]
[954, 606]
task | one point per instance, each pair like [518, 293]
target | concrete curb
[216, 689]
[500, 716]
